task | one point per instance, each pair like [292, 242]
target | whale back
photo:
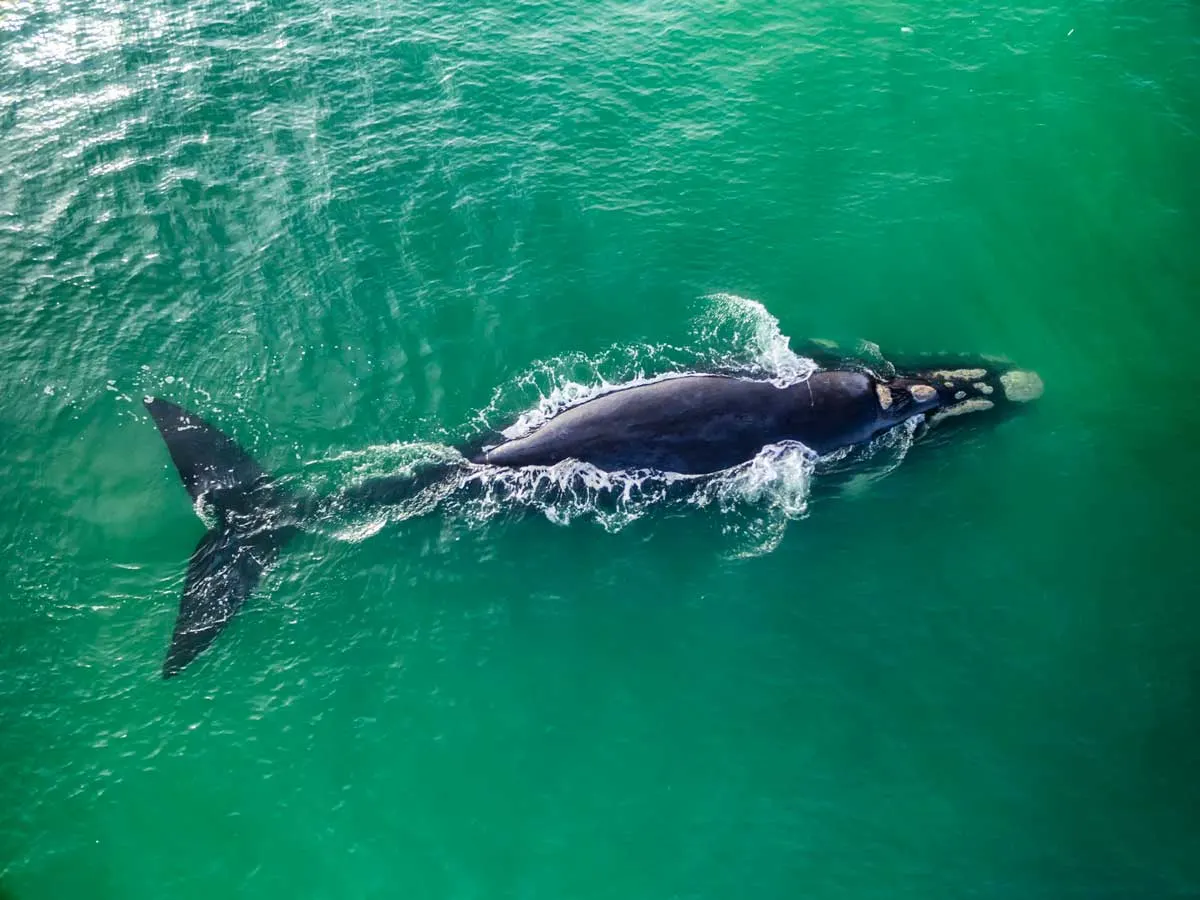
[699, 424]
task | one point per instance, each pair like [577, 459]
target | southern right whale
[693, 425]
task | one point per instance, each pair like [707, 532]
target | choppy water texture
[350, 232]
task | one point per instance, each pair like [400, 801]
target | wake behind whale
[639, 428]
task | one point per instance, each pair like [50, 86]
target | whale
[690, 426]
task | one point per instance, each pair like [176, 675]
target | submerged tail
[252, 527]
[255, 517]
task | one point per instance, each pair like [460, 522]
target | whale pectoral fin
[223, 571]
[826, 354]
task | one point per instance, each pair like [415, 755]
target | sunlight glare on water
[353, 236]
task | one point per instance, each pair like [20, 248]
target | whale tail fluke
[224, 569]
[253, 525]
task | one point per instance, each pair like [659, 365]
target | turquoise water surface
[349, 233]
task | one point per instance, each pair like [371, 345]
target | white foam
[571, 393]
[778, 477]
[565, 492]
[744, 332]
[757, 498]
[731, 332]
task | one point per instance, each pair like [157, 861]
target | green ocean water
[339, 228]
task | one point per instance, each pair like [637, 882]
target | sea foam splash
[731, 332]
[756, 500]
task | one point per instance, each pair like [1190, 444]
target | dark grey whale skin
[701, 424]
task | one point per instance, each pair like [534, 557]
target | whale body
[697, 424]
[700, 424]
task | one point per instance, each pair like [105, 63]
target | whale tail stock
[252, 527]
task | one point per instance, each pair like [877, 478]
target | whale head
[956, 391]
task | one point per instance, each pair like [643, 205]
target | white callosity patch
[922, 392]
[1021, 386]
[884, 393]
[960, 374]
[961, 409]
[983, 387]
